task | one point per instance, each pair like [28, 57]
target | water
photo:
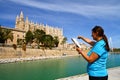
[49, 69]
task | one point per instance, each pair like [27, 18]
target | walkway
[113, 74]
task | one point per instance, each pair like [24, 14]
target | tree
[1, 36]
[20, 41]
[47, 41]
[56, 41]
[64, 41]
[29, 37]
[38, 34]
[5, 34]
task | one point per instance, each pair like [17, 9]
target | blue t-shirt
[98, 67]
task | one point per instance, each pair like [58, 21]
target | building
[23, 25]
[72, 46]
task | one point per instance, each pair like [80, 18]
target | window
[18, 36]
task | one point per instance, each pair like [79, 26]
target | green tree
[47, 41]
[64, 41]
[29, 37]
[38, 34]
[56, 41]
[5, 34]
[20, 41]
[1, 36]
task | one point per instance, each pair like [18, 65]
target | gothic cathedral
[22, 26]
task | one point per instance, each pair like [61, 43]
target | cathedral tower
[20, 24]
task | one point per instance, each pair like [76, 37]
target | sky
[75, 17]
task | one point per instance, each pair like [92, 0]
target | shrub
[15, 46]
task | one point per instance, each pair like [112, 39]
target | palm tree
[64, 41]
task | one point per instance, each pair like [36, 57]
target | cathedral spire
[17, 21]
[21, 18]
[21, 15]
[17, 18]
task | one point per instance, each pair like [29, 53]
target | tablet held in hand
[76, 42]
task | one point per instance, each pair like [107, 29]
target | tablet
[76, 42]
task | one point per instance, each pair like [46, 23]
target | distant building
[73, 47]
[22, 26]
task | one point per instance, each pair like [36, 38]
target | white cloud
[88, 10]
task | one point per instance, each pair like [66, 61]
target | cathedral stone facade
[22, 26]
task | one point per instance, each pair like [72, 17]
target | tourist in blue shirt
[98, 54]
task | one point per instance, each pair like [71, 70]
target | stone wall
[9, 52]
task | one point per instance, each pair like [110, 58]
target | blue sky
[76, 17]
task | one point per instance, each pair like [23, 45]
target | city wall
[9, 52]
